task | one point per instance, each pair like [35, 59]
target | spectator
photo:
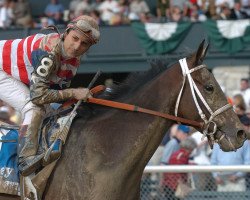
[245, 120]
[176, 15]
[237, 12]
[196, 14]
[6, 14]
[1, 103]
[231, 181]
[246, 6]
[124, 11]
[201, 156]
[73, 5]
[54, 10]
[174, 144]
[239, 105]
[139, 10]
[82, 8]
[116, 19]
[245, 3]
[154, 178]
[183, 5]
[240, 110]
[156, 158]
[108, 8]
[163, 10]
[201, 152]
[245, 91]
[220, 4]
[209, 8]
[96, 15]
[225, 12]
[44, 22]
[246, 124]
[193, 1]
[95, 4]
[22, 14]
[179, 157]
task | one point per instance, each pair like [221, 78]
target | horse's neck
[123, 135]
[162, 94]
[141, 133]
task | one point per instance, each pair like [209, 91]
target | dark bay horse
[105, 155]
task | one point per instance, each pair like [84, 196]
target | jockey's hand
[82, 94]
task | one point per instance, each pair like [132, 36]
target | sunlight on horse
[105, 154]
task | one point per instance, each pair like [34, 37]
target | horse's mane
[130, 85]
[136, 80]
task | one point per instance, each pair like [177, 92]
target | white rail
[197, 168]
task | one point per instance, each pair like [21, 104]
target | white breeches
[17, 95]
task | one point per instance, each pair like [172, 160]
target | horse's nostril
[241, 135]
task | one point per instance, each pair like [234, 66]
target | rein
[134, 108]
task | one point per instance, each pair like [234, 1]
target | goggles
[87, 26]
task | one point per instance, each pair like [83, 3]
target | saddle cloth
[9, 176]
[53, 134]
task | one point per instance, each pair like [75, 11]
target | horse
[106, 152]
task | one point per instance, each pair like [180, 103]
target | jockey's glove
[76, 93]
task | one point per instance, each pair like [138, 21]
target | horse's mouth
[228, 143]
[248, 135]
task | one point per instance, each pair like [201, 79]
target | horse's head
[201, 92]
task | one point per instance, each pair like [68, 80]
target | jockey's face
[75, 44]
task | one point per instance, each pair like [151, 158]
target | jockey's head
[80, 34]
[87, 26]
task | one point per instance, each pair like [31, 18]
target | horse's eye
[209, 88]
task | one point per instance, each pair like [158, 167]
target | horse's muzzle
[228, 143]
[248, 135]
[241, 136]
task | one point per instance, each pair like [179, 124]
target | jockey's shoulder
[50, 41]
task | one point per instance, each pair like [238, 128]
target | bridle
[208, 122]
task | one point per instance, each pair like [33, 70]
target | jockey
[36, 71]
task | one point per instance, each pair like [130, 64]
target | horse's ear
[201, 52]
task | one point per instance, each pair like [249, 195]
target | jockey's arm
[40, 91]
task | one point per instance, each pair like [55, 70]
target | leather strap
[134, 108]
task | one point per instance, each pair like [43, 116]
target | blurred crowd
[17, 13]
[8, 114]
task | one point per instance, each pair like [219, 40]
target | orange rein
[133, 108]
